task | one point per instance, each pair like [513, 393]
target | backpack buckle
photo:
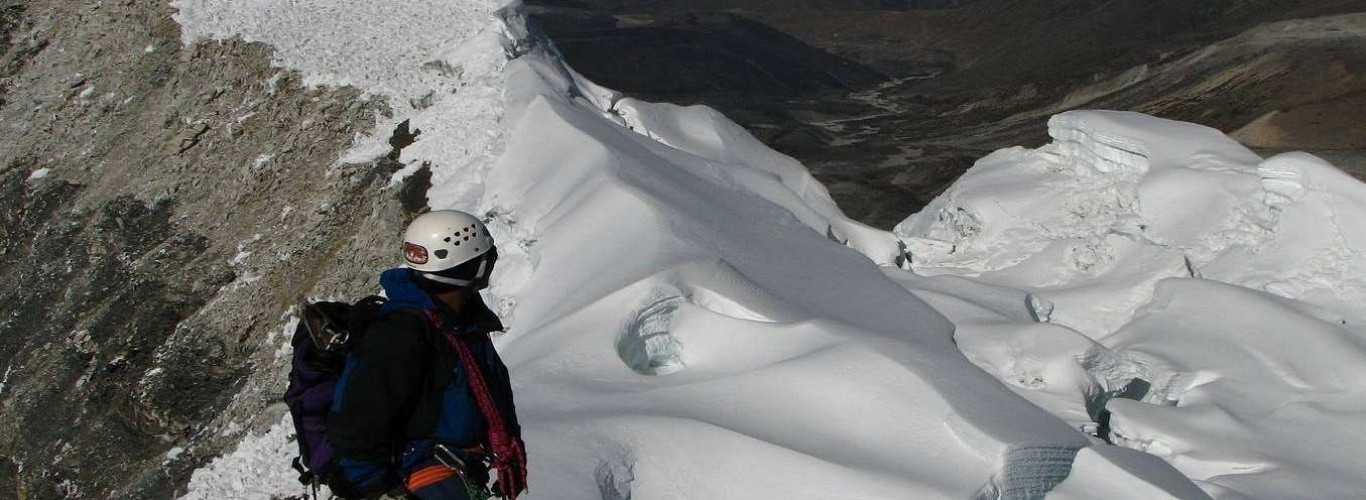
[326, 335]
[306, 476]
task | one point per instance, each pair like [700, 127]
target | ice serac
[1073, 220]
[1129, 144]
[1159, 284]
[681, 323]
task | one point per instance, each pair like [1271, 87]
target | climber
[424, 406]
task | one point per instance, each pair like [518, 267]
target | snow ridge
[680, 324]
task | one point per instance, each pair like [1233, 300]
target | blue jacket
[402, 390]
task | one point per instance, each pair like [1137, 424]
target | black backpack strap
[307, 477]
[421, 317]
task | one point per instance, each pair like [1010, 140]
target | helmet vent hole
[441, 254]
[448, 239]
[457, 243]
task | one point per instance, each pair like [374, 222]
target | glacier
[1136, 248]
[692, 316]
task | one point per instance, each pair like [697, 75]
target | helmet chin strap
[445, 280]
[478, 275]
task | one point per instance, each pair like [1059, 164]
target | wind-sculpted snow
[681, 323]
[761, 360]
[1158, 283]
[1262, 393]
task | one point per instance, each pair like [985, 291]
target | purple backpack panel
[314, 373]
[309, 397]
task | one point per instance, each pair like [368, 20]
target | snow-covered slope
[692, 316]
[682, 325]
[1134, 247]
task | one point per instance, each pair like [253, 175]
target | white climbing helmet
[441, 240]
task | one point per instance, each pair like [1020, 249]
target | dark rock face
[966, 78]
[161, 208]
[96, 293]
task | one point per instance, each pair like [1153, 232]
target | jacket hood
[404, 293]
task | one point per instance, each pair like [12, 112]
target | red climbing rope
[509, 459]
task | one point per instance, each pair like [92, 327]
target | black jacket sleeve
[501, 385]
[380, 387]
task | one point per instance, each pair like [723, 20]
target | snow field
[683, 327]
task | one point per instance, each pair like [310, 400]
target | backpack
[326, 333]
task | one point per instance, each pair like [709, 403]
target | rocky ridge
[164, 206]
